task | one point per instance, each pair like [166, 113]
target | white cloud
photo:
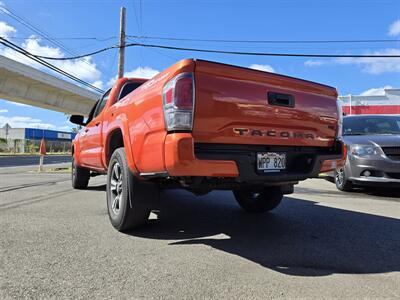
[83, 68]
[6, 30]
[3, 111]
[316, 63]
[394, 28]
[375, 65]
[369, 65]
[21, 122]
[140, 72]
[376, 91]
[99, 84]
[265, 68]
[19, 104]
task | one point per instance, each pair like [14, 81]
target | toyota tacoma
[200, 126]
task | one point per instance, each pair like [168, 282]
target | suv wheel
[79, 176]
[341, 181]
[124, 214]
[260, 201]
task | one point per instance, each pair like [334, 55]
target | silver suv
[373, 152]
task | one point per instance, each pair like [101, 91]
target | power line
[136, 15]
[47, 64]
[65, 38]
[138, 19]
[32, 27]
[223, 52]
[139, 37]
[266, 53]
[267, 41]
[27, 24]
[141, 16]
[162, 54]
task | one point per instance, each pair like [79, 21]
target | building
[27, 140]
[388, 103]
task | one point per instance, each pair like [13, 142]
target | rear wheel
[79, 176]
[124, 213]
[260, 201]
[341, 181]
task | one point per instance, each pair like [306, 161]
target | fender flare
[75, 152]
[121, 123]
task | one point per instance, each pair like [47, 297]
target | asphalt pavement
[57, 242]
[28, 160]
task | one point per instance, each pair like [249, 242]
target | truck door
[91, 148]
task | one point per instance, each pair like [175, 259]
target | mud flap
[143, 193]
[287, 189]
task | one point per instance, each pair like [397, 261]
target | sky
[82, 26]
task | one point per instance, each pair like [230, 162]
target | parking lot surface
[57, 242]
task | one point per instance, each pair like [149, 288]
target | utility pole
[121, 60]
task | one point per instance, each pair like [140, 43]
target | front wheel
[341, 181]
[79, 176]
[124, 213]
[259, 201]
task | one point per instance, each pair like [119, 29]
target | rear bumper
[180, 159]
[185, 158]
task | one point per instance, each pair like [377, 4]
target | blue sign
[52, 135]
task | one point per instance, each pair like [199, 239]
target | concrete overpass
[24, 84]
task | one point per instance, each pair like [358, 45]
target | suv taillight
[178, 102]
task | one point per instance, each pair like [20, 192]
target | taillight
[178, 102]
[340, 120]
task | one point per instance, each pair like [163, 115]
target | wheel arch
[75, 152]
[117, 138]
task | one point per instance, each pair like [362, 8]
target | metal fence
[31, 146]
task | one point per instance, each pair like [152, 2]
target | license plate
[271, 161]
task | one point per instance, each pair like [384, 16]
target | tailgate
[237, 105]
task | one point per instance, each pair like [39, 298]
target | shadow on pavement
[379, 191]
[102, 187]
[299, 238]
[382, 192]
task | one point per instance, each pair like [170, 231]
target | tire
[79, 176]
[341, 181]
[260, 201]
[124, 214]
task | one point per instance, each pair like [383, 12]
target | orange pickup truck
[201, 125]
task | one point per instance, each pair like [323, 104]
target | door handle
[86, 129]
[279, 99]
[97, 124]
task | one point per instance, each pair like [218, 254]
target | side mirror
[77, 119]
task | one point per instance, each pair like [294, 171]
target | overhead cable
[315, 55]
[47, 64]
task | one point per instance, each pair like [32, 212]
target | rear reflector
[168, 96]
